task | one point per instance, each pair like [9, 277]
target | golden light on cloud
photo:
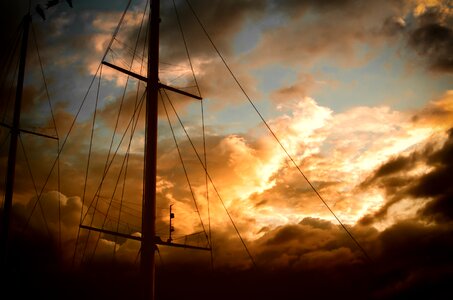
[423, 5]
[247, 167]
[336, 151]
[339, 149]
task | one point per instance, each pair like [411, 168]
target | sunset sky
[360, 94]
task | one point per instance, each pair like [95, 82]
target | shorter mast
[14, 132]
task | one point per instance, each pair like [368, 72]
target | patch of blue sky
[275, 76]
[386, 80]
[242, 117]
[270, 79]
[79, 88]
[247, 39]
[98, 5]
[239, 118]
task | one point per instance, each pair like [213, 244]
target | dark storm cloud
[437, 185]
[434, 40]
[413, 261]
[434, 186]
[409, 257]
[394, 165]
[430, 35]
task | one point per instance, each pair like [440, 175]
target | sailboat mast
[15, 130]
[148, 244]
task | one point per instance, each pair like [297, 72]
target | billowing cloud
[401, 182]
[336, 151]
[312, 30]
[432, 36]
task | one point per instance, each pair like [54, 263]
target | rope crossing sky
[274, 135]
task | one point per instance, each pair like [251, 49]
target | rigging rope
[56, 132]
[114, 190]
[83, 102]
[206, 181]
[183, 165]
[131, 136]
[79, 110]
[125, 159]
[213, 185]
[11, 88]
[275, 136]
[186, 48]
[27, 162]
[203, 129]
[138, 109]
[88, 164]
[38, 195]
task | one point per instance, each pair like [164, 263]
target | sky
[359, 93]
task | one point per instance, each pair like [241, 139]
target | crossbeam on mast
[30, 132]
[144, 79]
[157, 240]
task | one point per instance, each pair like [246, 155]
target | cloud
[436, 113]
[306, 245]
[57, 208]
[222, 19]
[55, 219]
[334, 151]
[418, 176]
[312, 32]
[393, 25]
[418, 252]
[410, 258]
[432, 38]
[400, 182]
[436, 185]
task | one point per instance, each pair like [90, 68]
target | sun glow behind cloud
[343, 149]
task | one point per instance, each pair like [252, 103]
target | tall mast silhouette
[149, 197]
[149, 240]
